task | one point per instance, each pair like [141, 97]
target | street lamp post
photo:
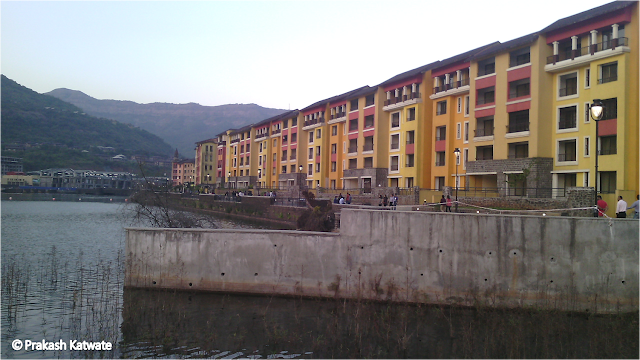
[457, 153]
[597, 111]
[299, 183]
[229, 179]
[259, 183]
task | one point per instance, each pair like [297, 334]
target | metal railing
[586, 50]
[608, 79]
[314, 121]
[483, 132]
[518, 127]
[567, 123]
[367, 147]
[566, 157]
[570, 90]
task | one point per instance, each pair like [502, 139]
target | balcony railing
[566, 157]
[259, 136]
[567, 123]
[338, 115]
[319, 120]
[234, 141]
[518, 156]
[483, 132]
[367, 147]
[353, 149]
[394, 167]
[569, 90]
[439, 162]
[608, 150]
[608, 79]
[410, 141]
[518, 127]
[572, 54]
[485, 100]
[395, 146]
[353, 165]
[276, 131]
[284, 158]
[452, 85]
[516, 94]
[395, 123]
[402, 98]
[353, 128]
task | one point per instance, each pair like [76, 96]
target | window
[353, 164]
[439, 182]
[292, 169]
[519, 88]
[284, 169]
[587, 113]
[466, 132]
[293, 154]
[275, 142]
[440, 158]
[411, 114]
[395, 120]
[486, 96]
[441, 107]
[353, 146]
[484, 152]
[458, 131]
[368, 143]
[353, 125]
[334, 148]
[465, 158]
[568, 85]
[310, 153]
[318, 134]
[354, 104]
[484, 126]
[608, 73]
[587, 145]
[567, 118]
[459, 105]
[294, 137]
[368, 121]
[317, 167]
[241, 149]
[333, 166]
[285, 125]
[395, 142]
[608, 145]
[466, 105]
[370, 100]
[274, 157]
[311, 137]
[409, 160]
[235, 150]
[317, 151]
[411, 138]
[610, 109]
[486, 67]
[519, 150]
[518, 121]
[567, 150]
[334, 130]
[294, 122]
[519, 57]
[607, 182]
[394, 164]
[310, 169]
[441, 133]
[587, 78]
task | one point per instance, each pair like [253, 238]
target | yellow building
[205, 161]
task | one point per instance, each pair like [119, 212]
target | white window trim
[588, 69]
[584, 148]
[390, 142]
[566, 163]
[561, 131]
[558, 84]
[465, 155]
[465, 126]
[458, 131]
[586, 114]
[459, 104]
[399, 120]
[467, 100]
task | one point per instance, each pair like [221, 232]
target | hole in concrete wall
[440, 250]
[552, 259]
[421, 274]
[274, 245]
[411, 249]
[154, 283]
[222, 274]
[623, 281]
[361, 247]
[359, 273]
[485, 279]
[551, 281]
[515, 253]
[490, 253]
[190, 284]
[256, 274]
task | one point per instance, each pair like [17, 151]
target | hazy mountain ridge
[181, 125]
[32, 118]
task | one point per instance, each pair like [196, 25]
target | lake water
[62, 276]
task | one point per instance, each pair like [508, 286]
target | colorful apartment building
[183, 171]
[205, 161]
[517, 111]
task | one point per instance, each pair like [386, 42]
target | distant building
[11, 164]
[183, 171]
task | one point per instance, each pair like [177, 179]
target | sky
[277, 54]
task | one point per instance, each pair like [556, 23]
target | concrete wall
[550, 262]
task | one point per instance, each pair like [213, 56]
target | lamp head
[457, 152]
[596, 109]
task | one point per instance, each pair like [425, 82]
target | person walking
[443, 203]
[448, 203]
[385, 200]
[602, 206]
[348, 198]
[636, 207]
[621, 208]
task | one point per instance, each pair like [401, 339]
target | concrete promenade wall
[549, 262]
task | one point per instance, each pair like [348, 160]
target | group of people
[339, 199]
[445, 204]
[621, 207]
[388, 201]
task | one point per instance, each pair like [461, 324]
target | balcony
[284, 158]
[260, 136]
[394, 167]
[575, 58]
[400, 101]
[234, 141]
[293, 157]
[480, 132]
[338, 115]
[453, 88]
[367, 147]
[275, 132]
[313, 123]
[353, 149]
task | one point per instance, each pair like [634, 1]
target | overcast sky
[275, 54]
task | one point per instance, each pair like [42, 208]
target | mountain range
[181, 125]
